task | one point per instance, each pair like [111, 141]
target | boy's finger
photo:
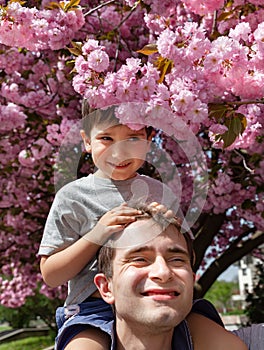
[169, 214]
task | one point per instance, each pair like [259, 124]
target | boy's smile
[117, 151]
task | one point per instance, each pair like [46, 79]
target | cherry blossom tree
[185, 67]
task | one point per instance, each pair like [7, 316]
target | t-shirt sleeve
[253, 336]
[62, 227]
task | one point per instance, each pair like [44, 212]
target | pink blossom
[25, 159]
[98, 60]
[241, 31]
[41, 149]
[89, 46]
[81, 65]
[203, 7]
[11, 117]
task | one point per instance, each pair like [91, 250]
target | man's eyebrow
[172, 249]
[177, 249]
[139, 249]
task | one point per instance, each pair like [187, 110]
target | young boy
[74, 232]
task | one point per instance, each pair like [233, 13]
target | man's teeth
[161, 293]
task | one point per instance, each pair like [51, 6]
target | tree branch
[205, 236]
[235, 252]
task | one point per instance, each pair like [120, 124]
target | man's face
[152, 283]
[117, 151]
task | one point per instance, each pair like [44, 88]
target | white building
[246, 275]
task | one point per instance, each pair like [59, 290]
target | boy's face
[117, 151]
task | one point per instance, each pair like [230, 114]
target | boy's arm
[63, 265]
[207, 334]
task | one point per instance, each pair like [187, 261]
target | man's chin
[165, 320]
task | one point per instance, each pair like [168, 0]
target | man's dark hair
[106, 253]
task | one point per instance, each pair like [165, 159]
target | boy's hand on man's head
[119, 217]
[160, 208]
[111, 222]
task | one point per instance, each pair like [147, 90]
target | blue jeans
[73, 319]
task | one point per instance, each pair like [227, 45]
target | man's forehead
[142, 232]
[158, 245]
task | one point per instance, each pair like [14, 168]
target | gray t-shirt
[78, 206]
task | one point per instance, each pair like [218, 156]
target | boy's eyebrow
[130, 133]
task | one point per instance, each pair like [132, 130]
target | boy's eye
[106, 138]
[134, 138]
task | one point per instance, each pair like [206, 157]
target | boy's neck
[102, 175]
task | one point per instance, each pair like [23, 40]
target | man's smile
[161, 294]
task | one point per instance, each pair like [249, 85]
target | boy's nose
[118, 151]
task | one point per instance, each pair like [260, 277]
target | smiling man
[146, 275]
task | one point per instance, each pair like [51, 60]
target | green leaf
[76, 50]
[226, 15]
[149, 49]
[236, 123]
[228, 137]
[217, 110]
[164, 68]
[73, 4]
[236, 126]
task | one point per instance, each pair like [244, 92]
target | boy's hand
[160, 208]
[113, 221]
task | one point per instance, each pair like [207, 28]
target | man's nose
[159, 270]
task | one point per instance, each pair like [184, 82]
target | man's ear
[104, 286]
[86, 141]
[194, 277]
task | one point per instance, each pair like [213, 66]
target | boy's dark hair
[106, 253]
[106, 116]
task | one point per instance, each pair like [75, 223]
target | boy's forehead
[105, 124]
[112, 126]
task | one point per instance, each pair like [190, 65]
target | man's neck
[140, 339]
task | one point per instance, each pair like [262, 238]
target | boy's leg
[92, 339]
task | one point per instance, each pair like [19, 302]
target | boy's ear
[86, 141]
[150, 137]
[152, 134]
[104, 286]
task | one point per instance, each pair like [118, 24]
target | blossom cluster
[203, 71]
[36, 29]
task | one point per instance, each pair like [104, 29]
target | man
[146, 275]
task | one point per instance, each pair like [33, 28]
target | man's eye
[178, 261]
[139, 259]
